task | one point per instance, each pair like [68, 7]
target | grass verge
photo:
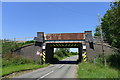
[15, 68]
[90, 70]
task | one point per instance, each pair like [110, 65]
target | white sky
[71, 49]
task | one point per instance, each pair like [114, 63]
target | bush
[114, 60]
[28, 42]
[59, 53]
[56, 56]
[65, 53]
[10, 46]
[13, 59]
[74, 53]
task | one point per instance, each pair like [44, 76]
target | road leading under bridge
[50, 50]
[63, 70]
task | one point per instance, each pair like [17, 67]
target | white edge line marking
[47, 74]
[61, 66]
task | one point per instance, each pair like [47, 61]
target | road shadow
[65, 62]
[56, 61]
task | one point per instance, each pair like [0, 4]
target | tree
[97, 31]
[111, 25]
[61, 52]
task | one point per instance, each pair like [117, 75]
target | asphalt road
[64, 69]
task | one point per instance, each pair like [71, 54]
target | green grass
[14, 63]
[90, 70]
[14, 59]
[0, 66]
[9, 46]
[15, 68]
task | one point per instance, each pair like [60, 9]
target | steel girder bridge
[63, 40]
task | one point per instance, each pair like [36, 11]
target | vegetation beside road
[15, 68]
[0, 46]
[96, 69]
[61, 53]
[13, 59]
[111, 25]
[9, 46]
[12, 63]
[90, 70]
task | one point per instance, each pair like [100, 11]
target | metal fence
[23, 39]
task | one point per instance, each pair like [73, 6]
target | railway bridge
[63, 40]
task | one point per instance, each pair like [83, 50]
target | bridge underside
[50, 49]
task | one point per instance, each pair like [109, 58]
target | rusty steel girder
[65, 36]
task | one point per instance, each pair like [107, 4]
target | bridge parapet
[41, 37]
[65, 37]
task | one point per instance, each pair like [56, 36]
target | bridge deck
[63, 42]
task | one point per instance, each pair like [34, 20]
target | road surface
[64, 69]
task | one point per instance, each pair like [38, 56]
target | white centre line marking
[47, 74]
